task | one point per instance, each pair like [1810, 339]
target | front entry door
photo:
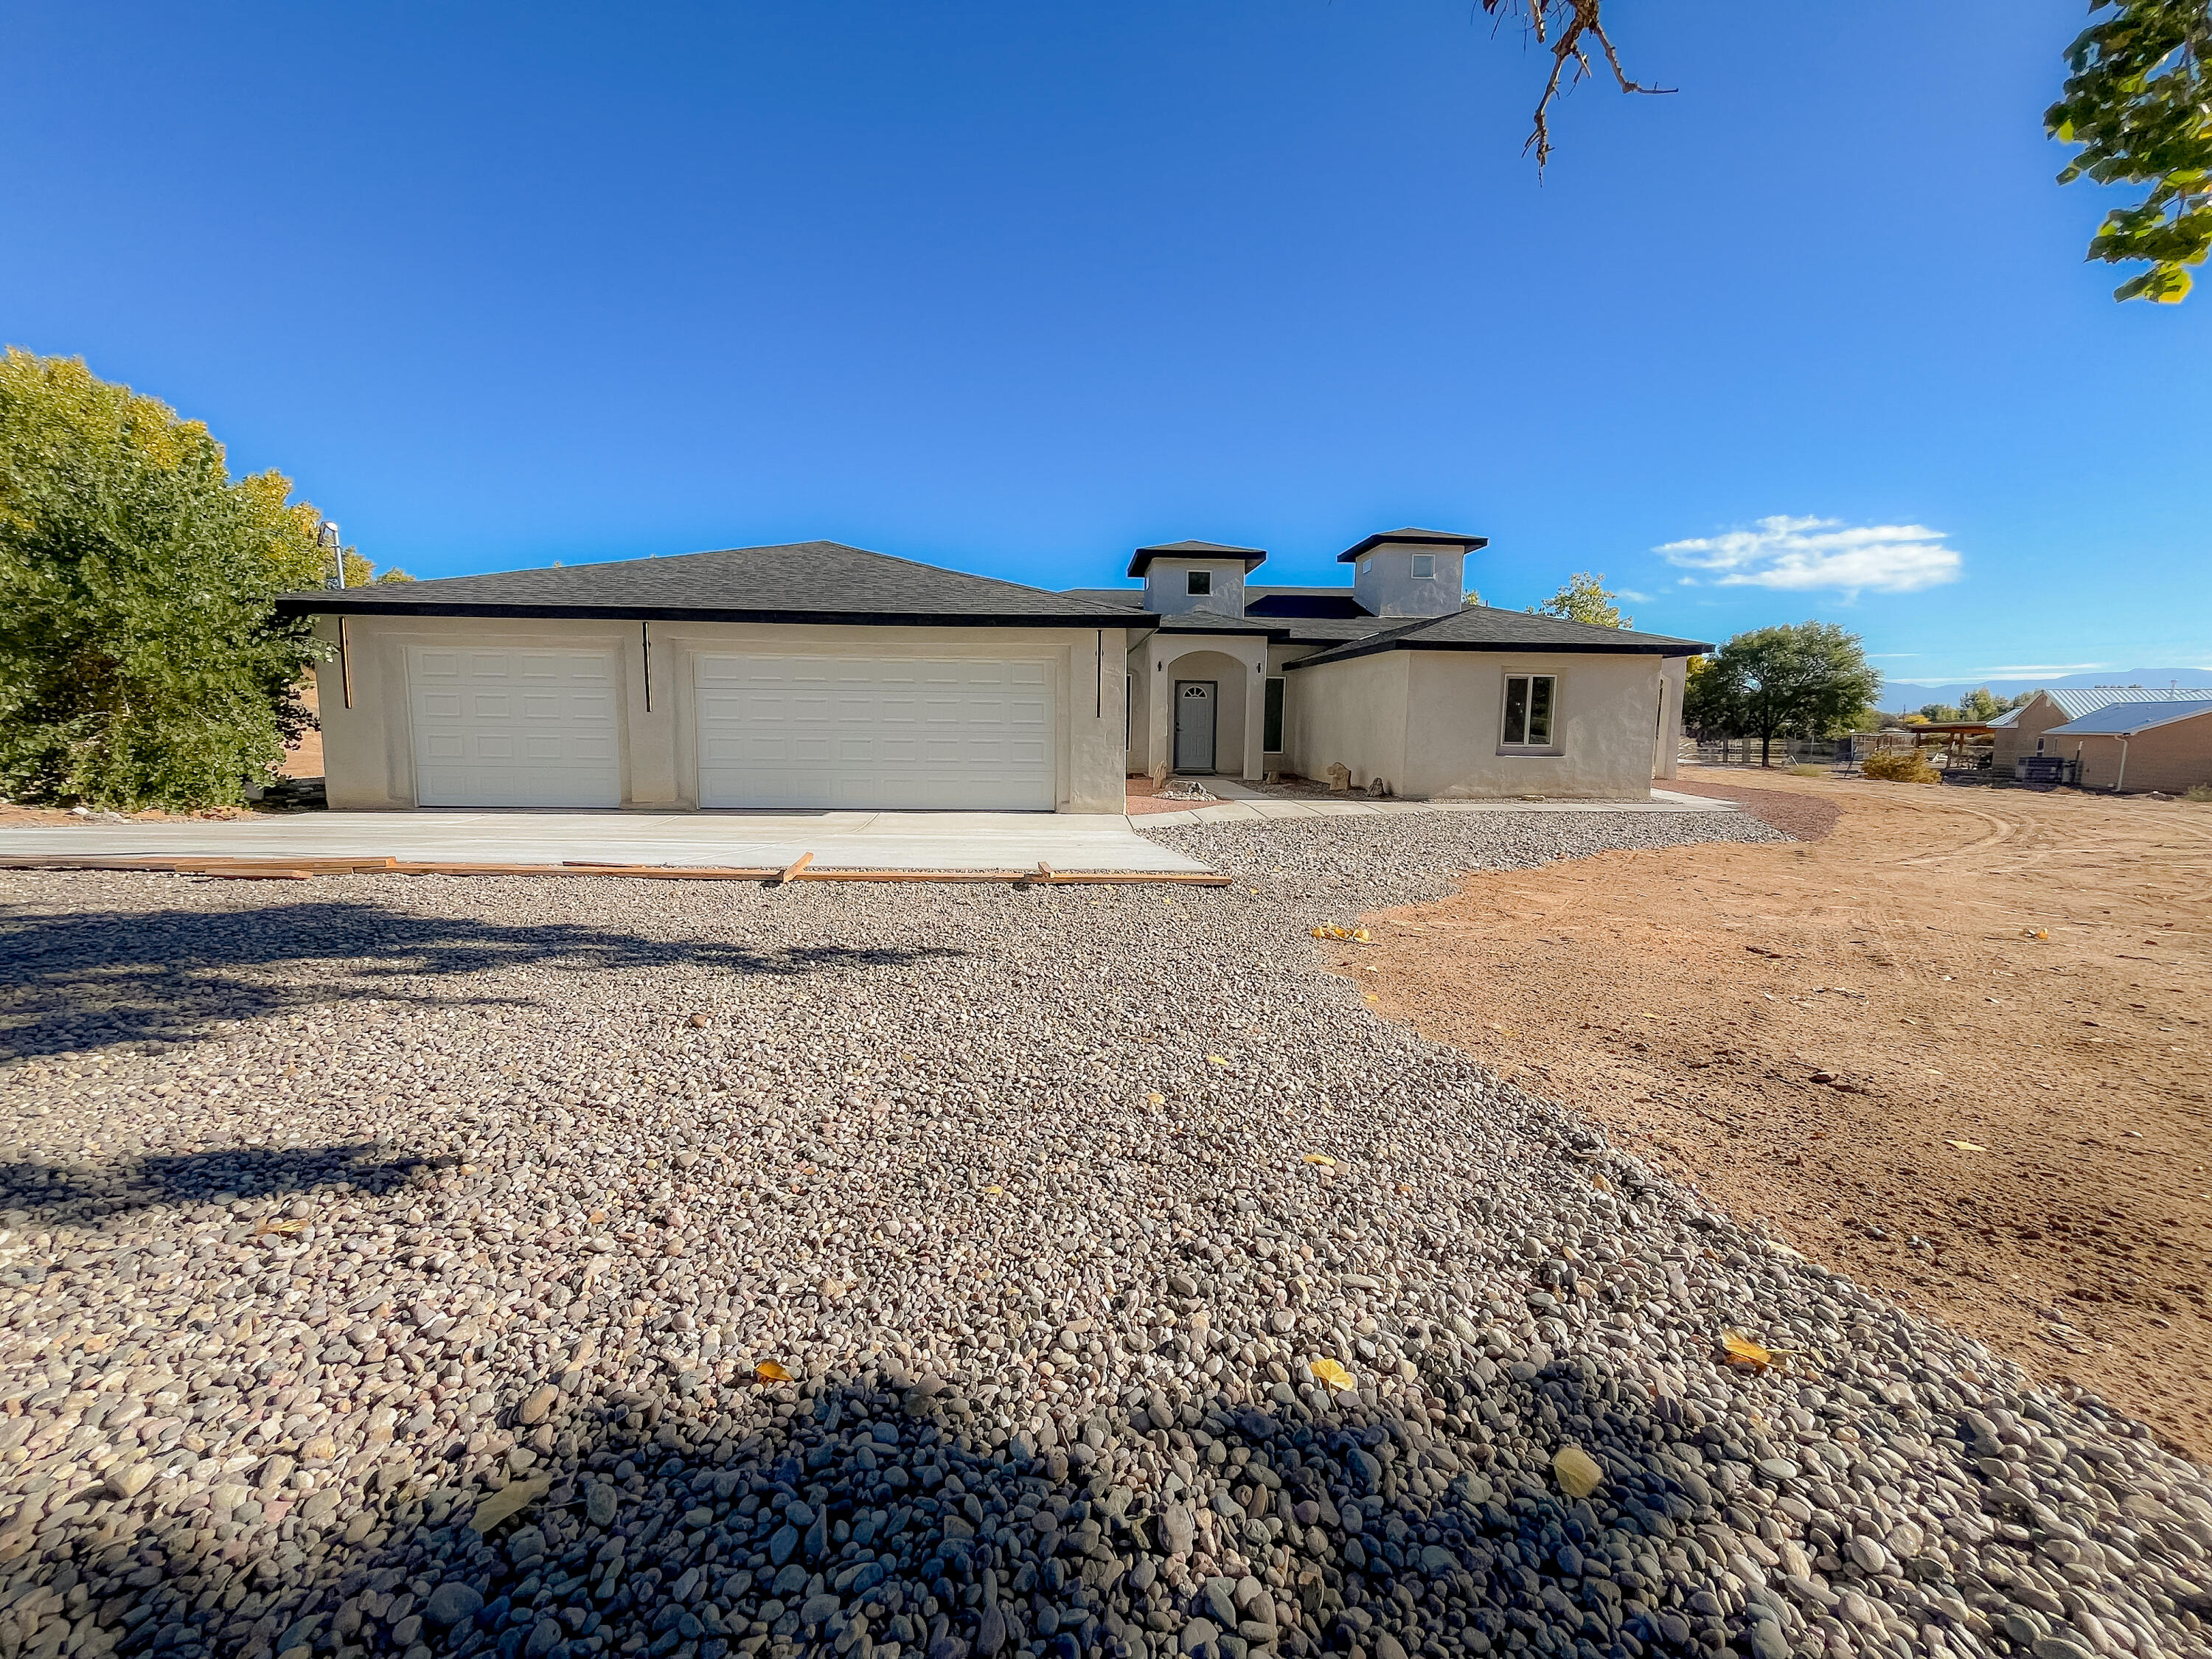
[1194, 737]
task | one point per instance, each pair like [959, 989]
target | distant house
[2021, 730]
[815, 676]
[2163, 744]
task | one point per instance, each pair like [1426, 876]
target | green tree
[2139, 103]
[1585, 598]
[1809, 680]
[1981, 705]
[141, 662]
[1711, 706]
[2136, 99]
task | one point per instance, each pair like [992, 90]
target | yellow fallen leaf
[768, 1371]
[511, 1499]
[1322, 1159]
[1328, 1371]
[1741, 1350]
[1965, 1145]
[2035, 933]
[994, 1190]
[1577, 1471]
[1215, 1059]
[1155, 1099]
[1600, 1183]
[280, 1226]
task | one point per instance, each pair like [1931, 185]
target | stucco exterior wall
[1234, 663]
[368, 747]
[1430, 724]
[1167, 587]
[1605, 724]
[1674, 675]
[1353, 711]
[1384, 580]
[2168, 758]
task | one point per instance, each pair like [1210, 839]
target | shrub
[2199, 793]
[1899, 766]
[1804, 769]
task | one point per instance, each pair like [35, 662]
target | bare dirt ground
[1866, 1041]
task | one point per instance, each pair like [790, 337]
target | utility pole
[328, 536]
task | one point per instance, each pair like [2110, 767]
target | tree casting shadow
[95, 979]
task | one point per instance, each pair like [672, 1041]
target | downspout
[2120, 782]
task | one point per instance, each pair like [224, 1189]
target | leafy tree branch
[2138, 102]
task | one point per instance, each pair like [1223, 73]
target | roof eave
[1142, 560]
[336, 606]
[1365, 649]
[1429, 537]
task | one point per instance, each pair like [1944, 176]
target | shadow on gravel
[871, 1519]
[51, 1194]
[105, 977]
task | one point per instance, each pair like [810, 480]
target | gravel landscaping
[389, 1266]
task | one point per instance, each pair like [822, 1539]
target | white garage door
[515, 728]
[889, 733]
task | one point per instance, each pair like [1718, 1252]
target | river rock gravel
[432, 1266]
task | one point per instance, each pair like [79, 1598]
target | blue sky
[1018, 288]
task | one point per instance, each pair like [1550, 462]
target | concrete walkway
[1242, 803]
[839, 840]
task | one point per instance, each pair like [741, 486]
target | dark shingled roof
[797, 582]
[1184, 622]
[1254, 558]
[1434, 538]
[1131, 599]
[1478, 628]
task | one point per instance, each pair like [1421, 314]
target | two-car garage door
[518, 727]
[889, 733]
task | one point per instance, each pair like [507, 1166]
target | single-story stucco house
[818, 676]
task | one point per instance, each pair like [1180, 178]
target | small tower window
[1202, 581]
[1424, 567]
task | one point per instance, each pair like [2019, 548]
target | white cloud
[1803, 553]
[1632, 596]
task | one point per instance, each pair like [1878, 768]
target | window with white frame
[1200, 581]
[1424, 567]
[1531, 704]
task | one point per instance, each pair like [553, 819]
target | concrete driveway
[839, 840]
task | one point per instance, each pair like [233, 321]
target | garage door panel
[889, 733]
[513, 728]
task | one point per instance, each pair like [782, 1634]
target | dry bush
[1899, 766]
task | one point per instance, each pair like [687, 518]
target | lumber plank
[802, 868]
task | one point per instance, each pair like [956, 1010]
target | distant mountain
[1899, 695]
